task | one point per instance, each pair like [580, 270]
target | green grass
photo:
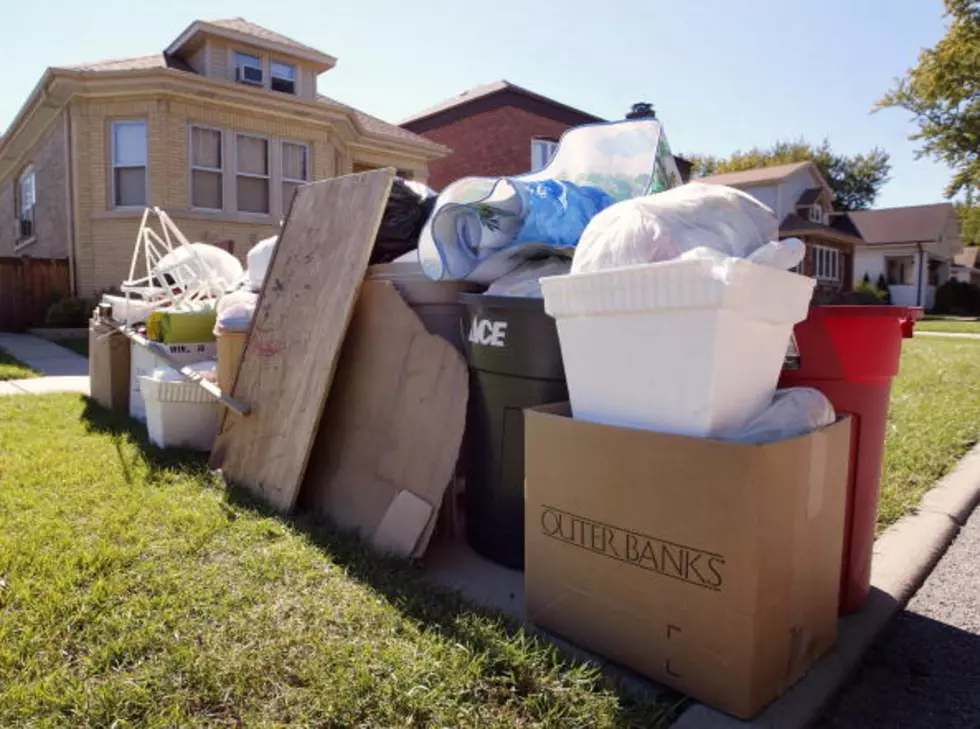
[77, 344]
[934, 420]
[942, 324]
[136, 591]
[12, 369]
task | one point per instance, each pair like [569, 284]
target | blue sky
[722, 74]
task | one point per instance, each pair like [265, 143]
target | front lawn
[958, 326]
[934, 419]
[12, 369]
[136, 591]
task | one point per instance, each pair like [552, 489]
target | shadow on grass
[431, 607]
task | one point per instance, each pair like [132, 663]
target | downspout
[70, 198]
[918, 285]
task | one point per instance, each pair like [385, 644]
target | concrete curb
[904, 556]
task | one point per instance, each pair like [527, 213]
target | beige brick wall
[51, 206]
[106, 236]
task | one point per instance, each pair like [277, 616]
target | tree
[855, 180]
[968, 211]
[942, 92]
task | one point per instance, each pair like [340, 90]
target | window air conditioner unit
[248, 75]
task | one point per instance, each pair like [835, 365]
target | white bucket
[180, 414]
[673, 346]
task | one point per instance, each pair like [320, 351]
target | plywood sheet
[296, 336]
[394, 420]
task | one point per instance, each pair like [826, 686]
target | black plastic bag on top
[405, 214]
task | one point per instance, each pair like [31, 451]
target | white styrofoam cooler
[679, 347]
[143, 362]
[180, 414]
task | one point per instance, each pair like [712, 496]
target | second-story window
[283, 77]
[248, 69]
[295, 170]
[129, 163]
[206, 169]
[542, 150]
[252, 173]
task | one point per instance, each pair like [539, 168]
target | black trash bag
[405, 214]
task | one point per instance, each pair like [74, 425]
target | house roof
[793, 224]
[809, 196]
[370, 124]
[479, 92]
[967, 257]
[912, 224]
[243, 30]
[758, 176]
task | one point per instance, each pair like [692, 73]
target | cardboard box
[108, 367]
[712, 567]
[231, 345]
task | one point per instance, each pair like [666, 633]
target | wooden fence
[27, 288]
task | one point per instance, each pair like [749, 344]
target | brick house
[802, 201]
[217, 130]
[500, 129]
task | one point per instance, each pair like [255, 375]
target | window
[252, 180]
[26, 198]
[542, 150]
[283, 77]
[206, 169]
[295, 170]
[826, 263]
[248, 68]
[817, 214]
[129, 163]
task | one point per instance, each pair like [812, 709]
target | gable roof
[967, 257]
[809, 196]
[757, 176]
[479, 92]
[245, 31]
[794, 225]
[911, 224]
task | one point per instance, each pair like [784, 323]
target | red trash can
[851, 354]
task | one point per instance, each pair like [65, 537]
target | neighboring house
[912, 247]
[499, 130]
[802, 201]
[218, 130]
[966, 266]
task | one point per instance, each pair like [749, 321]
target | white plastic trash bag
[666, 225]
[793, 412]
[779, 254]
[235, 311]
[258, 260]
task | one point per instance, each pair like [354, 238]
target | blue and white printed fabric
[482, 228]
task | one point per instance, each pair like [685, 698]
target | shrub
[957, 297]
[70, 312]
[873, 294]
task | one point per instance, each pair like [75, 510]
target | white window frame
[272, 75]
[219, 170]
[113, 166]
[28, 172]
[826, 263]
[282, 168]
[542, 152]
[267, 176]
[817, 214]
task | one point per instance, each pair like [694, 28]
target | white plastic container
[180, 414]
[687, 347]
[142, 362]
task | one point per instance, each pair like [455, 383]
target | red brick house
[500, 129]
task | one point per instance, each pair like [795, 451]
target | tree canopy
[856, 180]
[942, 92]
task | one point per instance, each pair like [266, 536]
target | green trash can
[515, 363]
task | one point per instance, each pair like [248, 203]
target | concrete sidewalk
[924, 671]
[956, 335]
[62, 370]
[44, 357]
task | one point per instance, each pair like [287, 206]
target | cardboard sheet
[393, 422]
[299, 327]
